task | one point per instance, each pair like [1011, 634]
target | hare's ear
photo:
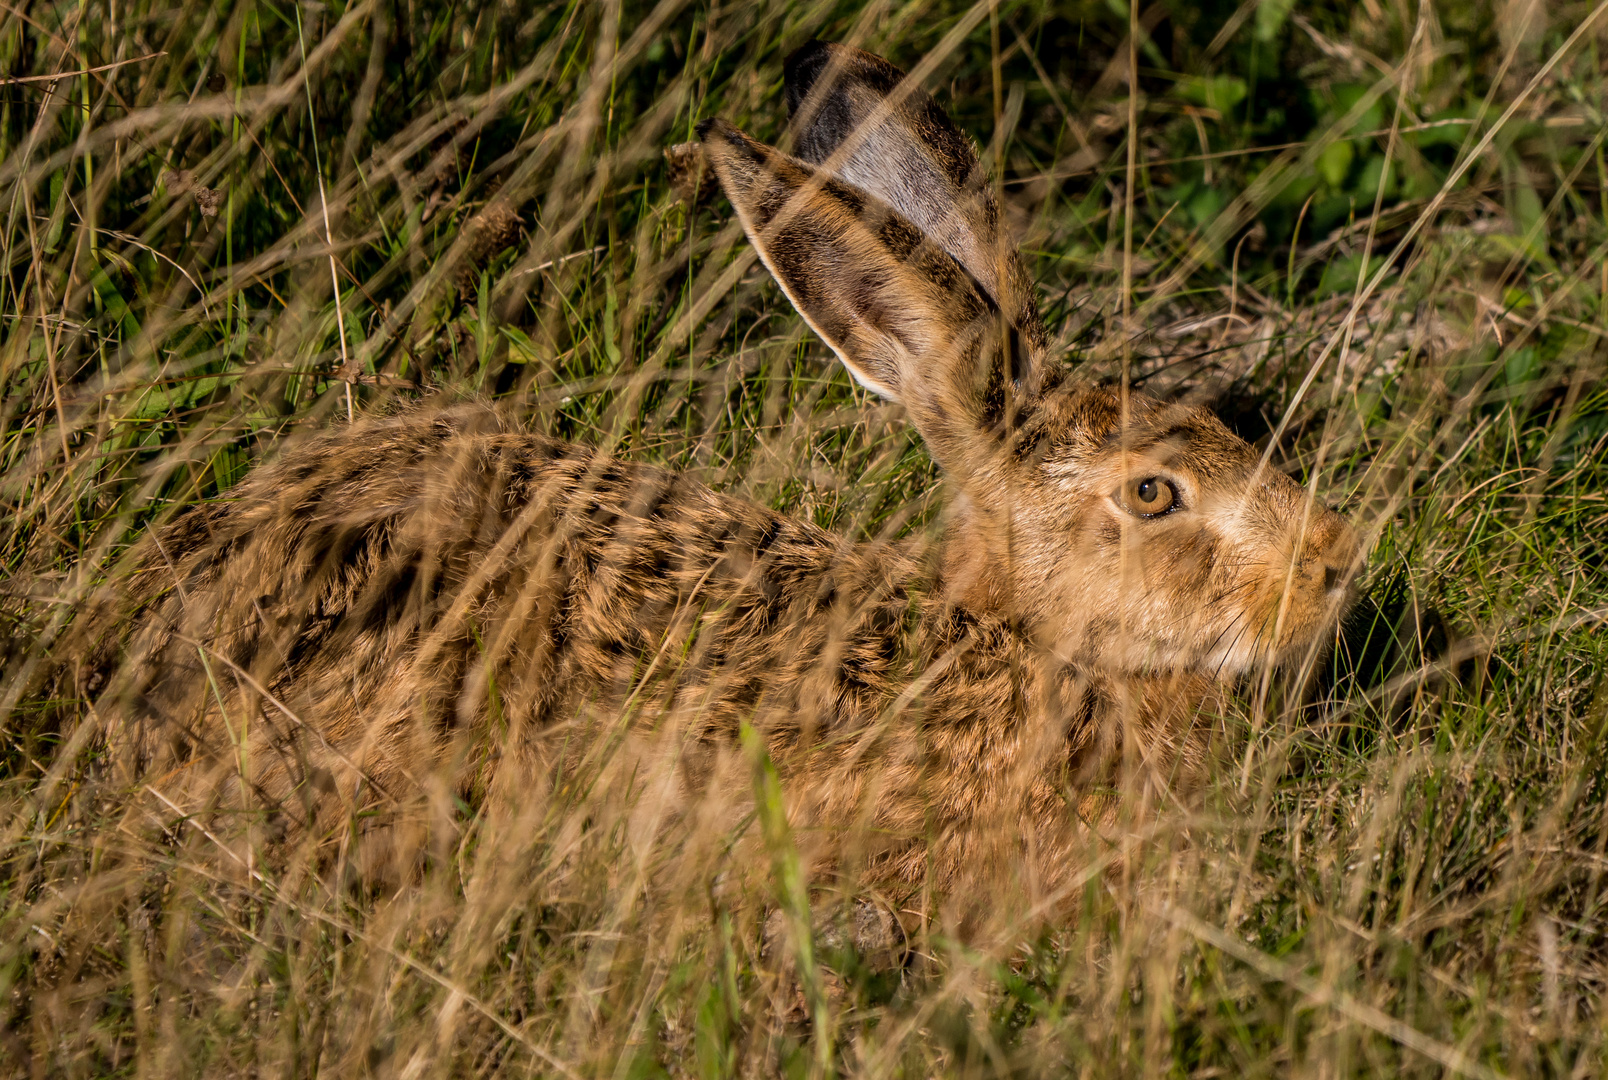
[858, 118]
[903, 315]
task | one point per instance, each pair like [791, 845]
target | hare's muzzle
[1317, 589]
[1338, 552]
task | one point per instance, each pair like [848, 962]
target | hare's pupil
[1147, 491]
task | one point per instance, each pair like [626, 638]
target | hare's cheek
[1117, 550]
[1195, 556]
[1106, 532]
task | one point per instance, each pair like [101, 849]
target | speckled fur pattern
[441, 605]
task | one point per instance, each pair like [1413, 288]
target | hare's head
[1123, 531]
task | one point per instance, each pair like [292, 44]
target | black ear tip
[717, 132]
[714, 127]
[801, 69]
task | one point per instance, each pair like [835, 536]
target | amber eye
[1149, 496]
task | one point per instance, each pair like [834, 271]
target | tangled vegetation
[1374, 236]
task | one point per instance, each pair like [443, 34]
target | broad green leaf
[1340, 275]
[1335, 162]
[1220, 93]
[1270, 18]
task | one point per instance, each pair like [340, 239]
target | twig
[560, 261]
[80, 71]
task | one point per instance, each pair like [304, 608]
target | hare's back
[425, 567]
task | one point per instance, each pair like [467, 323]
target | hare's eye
[1149, 496]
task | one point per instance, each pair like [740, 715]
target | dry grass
[265, 217]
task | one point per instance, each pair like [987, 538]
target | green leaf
[58, 210]
[1516, 299]
[1335, 162]
[1205, 205]
[1348, 95]
[792, 894]
[1270, 17]
[712, 1048]
[1341, 274]
[521, 349]
[1522, 366]
[611, 315]
[112, 300]
[1527, 208]
[1220, 93]
[1440, 133]
[1373, 170]
[168, 401]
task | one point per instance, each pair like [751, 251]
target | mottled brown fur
[375, 583]
[439, 604]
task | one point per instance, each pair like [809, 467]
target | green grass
[1402, 875]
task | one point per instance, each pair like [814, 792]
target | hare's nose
[1339, 555]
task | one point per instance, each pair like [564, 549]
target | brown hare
[439, 598]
